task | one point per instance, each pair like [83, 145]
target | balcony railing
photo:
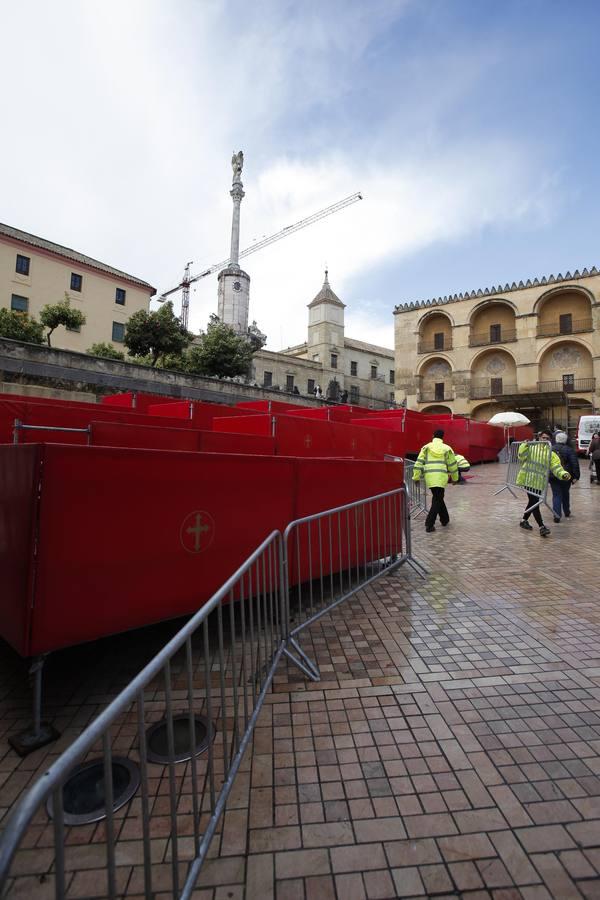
[433, 397]
[432, 346]
[552, 329]
[480, 339]
[481, 389]
[567, 387]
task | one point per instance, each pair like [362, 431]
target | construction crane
[187, 280]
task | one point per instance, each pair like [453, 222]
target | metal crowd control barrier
[416, 490]
[536, 460]
[234, 679]
[239, 636]
[21, 426]
[347, 547]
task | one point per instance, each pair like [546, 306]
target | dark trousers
[561, 498]
[597, 464]
[437, 508]
[531, 500]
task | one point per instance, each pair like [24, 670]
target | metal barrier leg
[40, 733]
[304, 663]
[408, 557]
[505, 487]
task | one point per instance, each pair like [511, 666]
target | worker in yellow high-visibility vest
[463, 466]
[435, 463]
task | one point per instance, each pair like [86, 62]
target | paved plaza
[452, 747]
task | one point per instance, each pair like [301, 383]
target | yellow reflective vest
[463, 463]
[536, 459]
[436, 462]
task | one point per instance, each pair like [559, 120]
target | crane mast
[187, 280]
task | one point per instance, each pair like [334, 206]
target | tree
[106, 351]
[156, 334]
[61, 313]
[19, 327]
[220, 351]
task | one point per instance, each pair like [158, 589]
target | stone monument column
[234, 284]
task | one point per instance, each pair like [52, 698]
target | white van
[585, 429]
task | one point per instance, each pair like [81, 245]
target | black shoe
[567, 515]
[445, 524]
[430, 528]
[557, 519]
[544, 532]
[525, 524]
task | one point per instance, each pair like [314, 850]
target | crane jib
[284, 232]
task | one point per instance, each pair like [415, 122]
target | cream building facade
[329, 359]
[35, 271]
[533, 347]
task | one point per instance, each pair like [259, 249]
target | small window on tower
[310, 387]
[289, 382]
[120, 296]
[373, 371]
[354, 368]
[334, 360]
[268, 379]
[392, 376]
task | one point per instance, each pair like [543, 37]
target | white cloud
[125, 115]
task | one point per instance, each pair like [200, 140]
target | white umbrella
[507, 419]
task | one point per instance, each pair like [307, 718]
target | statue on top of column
[237, 164]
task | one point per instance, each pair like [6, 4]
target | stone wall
[25, 368]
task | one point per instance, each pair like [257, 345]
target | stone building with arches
[533, 347]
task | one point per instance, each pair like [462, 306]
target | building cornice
[16, 237]
[496, 290]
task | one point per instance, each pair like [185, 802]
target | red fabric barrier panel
[259, 424]
[216, 442]
[19, 479]
[136, 400]
[132, 537]
[66, 417]
[307, 437]
[485, 442]
[348, 538]
[409, 436]
[266, 405]
[329, 413]
[149, 437]
[199, 415]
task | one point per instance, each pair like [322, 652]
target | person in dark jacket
[561, 497]
[594, 454]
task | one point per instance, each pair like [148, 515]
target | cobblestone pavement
[451, 748]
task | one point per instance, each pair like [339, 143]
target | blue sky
[471, 127]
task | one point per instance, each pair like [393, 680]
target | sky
[470, 127]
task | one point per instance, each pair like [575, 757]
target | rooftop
[369, 348]
[485, 292]
[326, 295]
[33, 240]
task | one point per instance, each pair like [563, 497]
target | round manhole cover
[157, 742]
[84, 792]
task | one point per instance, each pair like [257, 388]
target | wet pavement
[451, 748]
